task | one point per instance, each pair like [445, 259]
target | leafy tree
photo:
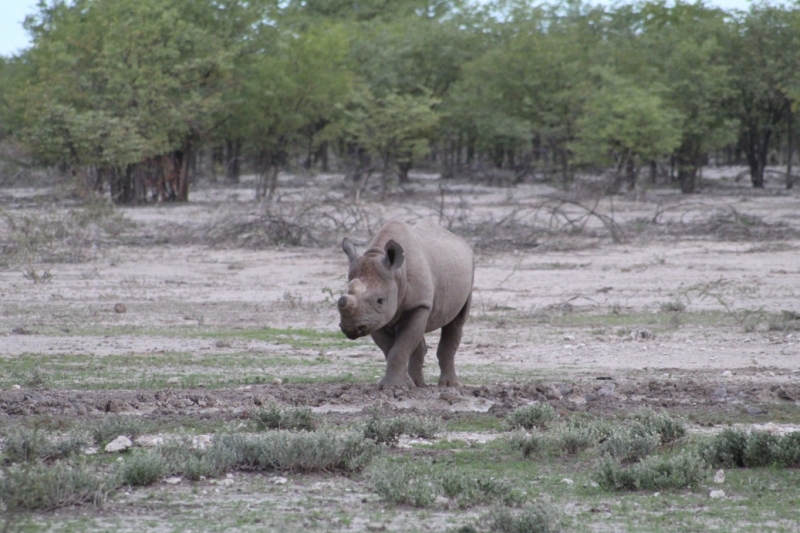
[625, 125]
[763, 51]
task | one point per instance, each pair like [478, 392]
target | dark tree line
[132, 95]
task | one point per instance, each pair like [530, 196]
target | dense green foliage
[129, 94]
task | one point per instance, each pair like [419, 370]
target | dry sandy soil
[695, 308]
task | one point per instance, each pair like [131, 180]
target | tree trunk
[232, 165]
[630, 173]
[182, 163]
[402, 172]
[653, 172]
[789, 150]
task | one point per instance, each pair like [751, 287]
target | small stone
[15, 387]
[606, 391]
[569, 337]
[716, 494]
[783, 395]
[727, 374]
[755, 411]
[120, 444]
[91, 450]
[720, 393]
[553, 394]
[719, 477]
[568, 481]
[172, 480]
[277, 381]
[227, 482]
[279, 481]
[120, 308]
[173, 381]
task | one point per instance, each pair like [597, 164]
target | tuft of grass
[685, 470]
[420, 484]
[112, 426]
[675, 306]
[25, 444]
[538, 415]
[629, 444]
[290, 418]
[534, 519]
[142, 469]
[39, 486]
[737, 449]
[670, 430]
[388, 430]
[529, 443]
[321, 451]
[580, 433]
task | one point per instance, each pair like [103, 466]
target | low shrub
[24, 444]
[685, 470]
[737, 449]
[789, 450]
[289, 418]
[630, 444]
[670, 430]
[419, 485]
[580, 433]
[530, 443]
[142, 469]
[39, 486]
[534, 519]
[536, 415]
[112, 426]
[388, 430]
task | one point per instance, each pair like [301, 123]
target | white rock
[277, 381]
[569, 337]
[120, 444]
[91, 450]
[279, 480]
[174, 380]
[172, 480]
[593, 484]
[16, 387]
[149, 441]
[719, 477]
[727, 374]
[716, 494]
[227, 482]
[567, 480]
[229, 476]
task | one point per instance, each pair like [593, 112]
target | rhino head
[370, 301]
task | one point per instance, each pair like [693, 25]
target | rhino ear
[349, 249]
[394, 255]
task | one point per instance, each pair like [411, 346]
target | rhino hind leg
[448, 344]
[416, 362]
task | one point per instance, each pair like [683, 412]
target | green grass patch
[290, 418]
[683, 470]
[387, 430]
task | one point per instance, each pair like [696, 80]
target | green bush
[534, 519]
[789, 450]
[530, 416]
[669, 430]
[388, 430]
[290, 418]
[726, 449]
[420, 484]
[38, 486]
[530, 443]
[112, 426]
[24, 444]
[630, 444]
[142, 469]
[580, 433]
[685, 470]
[762, 449]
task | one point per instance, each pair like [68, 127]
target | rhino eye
[380, 301]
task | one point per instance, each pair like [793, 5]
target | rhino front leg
[409, 332]
[416, 362]
[448, 344]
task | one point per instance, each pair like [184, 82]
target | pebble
[120, 444]
[279, 480]
[716, 494]
[720, 393]
[172, 480]
[568, 481]
[227, 482]
[719, 477]
[174, 380]
[755, 411]
[120, 308]
[15, 387]
[727, 374]
[277, 381]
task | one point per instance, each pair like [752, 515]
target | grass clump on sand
[290, 418]
[684, 470]
[537, 518]
[141, 469]
[536, 415]
[113, 426]
[734, 448]
[421, 484]
[40, 486]
[25, 444]
[384, 430]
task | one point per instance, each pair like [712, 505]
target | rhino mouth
[354, 332]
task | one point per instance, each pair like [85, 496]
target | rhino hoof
[450, 382]
[396, 383]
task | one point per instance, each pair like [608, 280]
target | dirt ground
[696, 312]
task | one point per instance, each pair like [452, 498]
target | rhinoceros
[411, 280]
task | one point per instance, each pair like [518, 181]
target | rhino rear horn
[394, 255]
[349, 249]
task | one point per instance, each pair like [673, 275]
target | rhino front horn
[346, 305]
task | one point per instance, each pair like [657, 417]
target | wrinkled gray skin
[411, 280]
